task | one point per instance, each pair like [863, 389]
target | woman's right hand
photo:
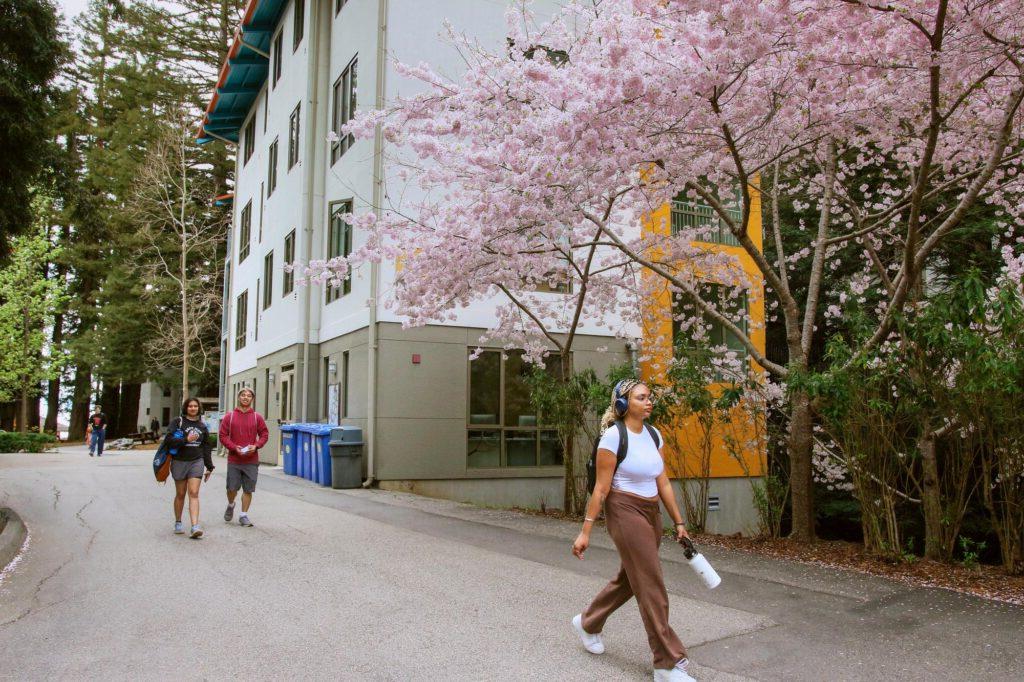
[581, 544]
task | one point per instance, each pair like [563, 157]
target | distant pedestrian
[629, 492]
[190, 437]
[242, 433]
[154, 425]
[97, 432]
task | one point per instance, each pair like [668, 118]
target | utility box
[346, 457]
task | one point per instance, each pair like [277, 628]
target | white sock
[231, 504]
[244, 514]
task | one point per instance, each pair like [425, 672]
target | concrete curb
[12, 538]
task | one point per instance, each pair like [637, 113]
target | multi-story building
[434, 421]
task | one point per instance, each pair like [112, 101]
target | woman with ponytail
[629, 492]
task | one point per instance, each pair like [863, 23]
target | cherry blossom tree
[886, 122]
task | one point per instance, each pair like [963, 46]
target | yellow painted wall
[685, 445]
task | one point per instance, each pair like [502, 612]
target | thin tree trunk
[931, 499]
[80, 402]
[110, 401]
[801, 478]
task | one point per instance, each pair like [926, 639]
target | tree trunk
[23, 410]
[110, 403]
[80, 402]
[53, 389]
[934, 544]
[129, 408]
[801, 476]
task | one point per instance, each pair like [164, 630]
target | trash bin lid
[289, 427]
[346, 445]
[347, 434]
[315, 429]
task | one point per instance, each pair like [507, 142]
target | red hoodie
[238, 429]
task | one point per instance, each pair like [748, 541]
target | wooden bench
[144, 436]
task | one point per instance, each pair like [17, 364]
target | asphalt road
[372, 585]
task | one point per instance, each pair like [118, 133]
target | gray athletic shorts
[243, 476]
[182, 470]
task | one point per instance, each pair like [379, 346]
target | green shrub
[26, 442]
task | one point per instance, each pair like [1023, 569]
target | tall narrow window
[268, 280]
[260, 239]
[256, 317]
[266, 107]
[339, 243]
[293, 137]
[250, 140]
[344, 384]
[344, 103]
[241, 319]
[299, 23]
[277, 58]
[272, 168]
[325, 410]
[288, 283]
[245, 232]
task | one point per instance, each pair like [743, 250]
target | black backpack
[619, 455]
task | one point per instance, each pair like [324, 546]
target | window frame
[277, 57]
[241, 319]
[298, 23]
[244, 231]
[288, 281]
[344, 234]
[715, 327]
[344, 102]
[294, 141]
[499, 428]
[272, 155]
[249, 141]
[268, 279]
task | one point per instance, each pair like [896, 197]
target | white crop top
[643, 463]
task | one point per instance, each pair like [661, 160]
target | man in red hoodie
[242, 432]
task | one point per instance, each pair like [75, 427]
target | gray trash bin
[346, 457]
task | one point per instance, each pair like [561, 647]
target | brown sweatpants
[635, 526]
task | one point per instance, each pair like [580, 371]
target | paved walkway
[384, 586]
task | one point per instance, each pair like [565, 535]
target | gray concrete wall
[736, 513]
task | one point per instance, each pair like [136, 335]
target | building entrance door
[287, 389]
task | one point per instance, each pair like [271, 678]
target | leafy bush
[26, 442]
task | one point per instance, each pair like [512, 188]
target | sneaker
[243, 520]
[229, 513]
[197, 532]
[91, 454]
[591, 643]
[676, 674]
[179, 527]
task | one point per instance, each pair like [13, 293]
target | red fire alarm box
[415, 358]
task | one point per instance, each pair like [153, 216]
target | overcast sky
[72, 8]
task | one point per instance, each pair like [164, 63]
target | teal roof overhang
[243, 73]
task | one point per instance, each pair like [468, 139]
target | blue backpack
[165, 453]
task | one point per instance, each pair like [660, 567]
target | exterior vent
[713, 503]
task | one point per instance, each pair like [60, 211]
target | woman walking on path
[630, 492]
[190, 436]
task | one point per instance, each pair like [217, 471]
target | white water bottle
[700, 565]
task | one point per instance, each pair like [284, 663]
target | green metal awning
[243, 73]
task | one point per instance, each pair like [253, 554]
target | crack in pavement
[56, 497]
[78, 514]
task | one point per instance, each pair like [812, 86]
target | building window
[503, 428]
[344, 109]
[277, 59]
[339, 243]
[299, 23]
[344, 384]
[256, 317]
[261, 213]
[338, 4]
[718, 337]
[268, 280]
[167, 392]
[245, 232]
[288, 281]
[272, 168]
[250, 140]
[241, 319]
[266, 108]
[689, 215]
[165, 415]
[293, 137]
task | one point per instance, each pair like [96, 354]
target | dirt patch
[987, 582]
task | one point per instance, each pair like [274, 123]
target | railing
[687, 215]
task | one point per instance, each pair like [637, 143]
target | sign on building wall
[333, 403]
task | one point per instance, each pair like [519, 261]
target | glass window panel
[485, 388]
[484, 448]
[521, 448]
[518, 409]
[550, 449]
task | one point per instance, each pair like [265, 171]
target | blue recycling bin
[289, 449]
[314, 448]
[320, 436]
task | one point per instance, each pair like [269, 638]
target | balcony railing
[687, 215]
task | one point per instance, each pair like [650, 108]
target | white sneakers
[591, 643]
[676, 674]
